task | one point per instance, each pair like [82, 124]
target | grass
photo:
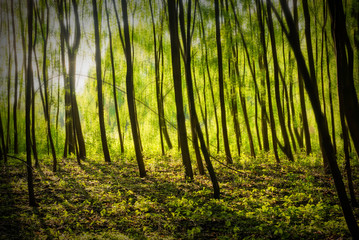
[260, 200]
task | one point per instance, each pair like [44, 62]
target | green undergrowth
[259, 200]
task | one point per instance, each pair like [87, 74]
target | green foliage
[108, 201]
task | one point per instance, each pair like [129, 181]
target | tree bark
[287, 147]
[221, 86]
[29, 79]
[269, 95]
[130, 92]
[16, 141]
[176, 73]
[99, 85]
[114, 83]
[345, 62]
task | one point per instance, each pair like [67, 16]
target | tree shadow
[11, 225]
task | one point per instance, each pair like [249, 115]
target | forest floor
[259, 200]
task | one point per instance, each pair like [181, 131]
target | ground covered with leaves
[259, 200]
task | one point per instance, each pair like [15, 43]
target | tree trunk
[159, 96]
[301, 94]
[16, 144]
[264, 48]
[345, 62]
[99, 84]
[176, 73]
[130, 92]
[330, 95]
[32, 201]
[114, 83]
[287, 148]
[73, 118]
[209, 78]
[46, 107]
[221, 86]
[3, 146]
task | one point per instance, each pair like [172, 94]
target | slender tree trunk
[186, 40]
[73, 118]
[221, 86]
[244, 109]
[33, 115]
[287, 148]
[176, 74]
[233, 77]
[209, 79]
[99, 84]
[3, 146]
[46, 88]
[202, 105]
[114, 83]
[130, 92]
[345, 69]
[330, 95]
[8, 141]
[264, 48]
[159, 96]
[308, 144]
[32, 201]
[16, 144]
[348, 170]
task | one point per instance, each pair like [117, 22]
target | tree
[159, 87]
[221, 85]
[131, 93]
[114, 81]
[348, 99]
[265, 62]
[287, 148]
[209, 77]
[74, 133]
[176, 73]
[16, 142]
[99, 85]
[29, 79]
[187, 33]
[45, 36]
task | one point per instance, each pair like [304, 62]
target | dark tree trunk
[114, 82]
[159, 96]
[3, 146]
[99, 84]
[345, 70]
[330, 95]
[72, 115]
[221, 86]
[131, 92]
[209, 78]
[303, 106]
[312, 68]
[176, 73]
[45, 33]
[264, 48]
[287, 147]
[29, 79]
[33, 117]
[186, 40]
[16, 144]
